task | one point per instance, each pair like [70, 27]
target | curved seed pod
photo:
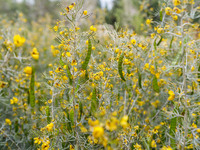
[87, 59]
[71, 116]
[171, 42]
[199, 74]
[48, 114]
[155, 45]
[172, 132]
[69, 127]
[16, 126]
[120, 66]
[139, 79]
[161, 15]
[94, 103]
[80, 108]
[67, 68]
[159, 41]
[155, 85]
[32, 89]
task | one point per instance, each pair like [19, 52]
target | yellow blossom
[49, 127]
[35, 54]
[171, 95]
[85, 12]
[168, 11]
[148, 21]
[8, 121]
[133, 41]
[124, 121]
[112, 124]
[28, 70]
[37, 140]
[92, 28]
[98, 132]
[153, 144]
[19, 41]
[176, 2]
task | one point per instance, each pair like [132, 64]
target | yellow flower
[28, 70]
[83, 129]
[14, 100]
[137, 146]
[55, 28]
[176, 2]
[171, 95]
[92, 28]
[153, 144]
[198, 130]
[168, 11]
[8, 121]
[177, 10]
[98, 132]
[68, 54]
[45, 145]
[148, 21]
[85, 12]
[35, 54]
[93, 123]
[166, 148]
[74, 63]
[3, 84]
[37, 140]
[49, 127]
[112, 124]
[133, 41]
[124, 121]
[18, 40]
[175, 17]
[159, 30]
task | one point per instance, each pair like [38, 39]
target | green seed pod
[120, 66]
[155, 85]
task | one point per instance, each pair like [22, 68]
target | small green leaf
[120, 66]
[155, 85]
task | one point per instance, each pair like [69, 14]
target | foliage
[74, 86]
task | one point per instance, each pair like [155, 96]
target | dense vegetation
[82, 85]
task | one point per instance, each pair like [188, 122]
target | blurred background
[128, 13]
